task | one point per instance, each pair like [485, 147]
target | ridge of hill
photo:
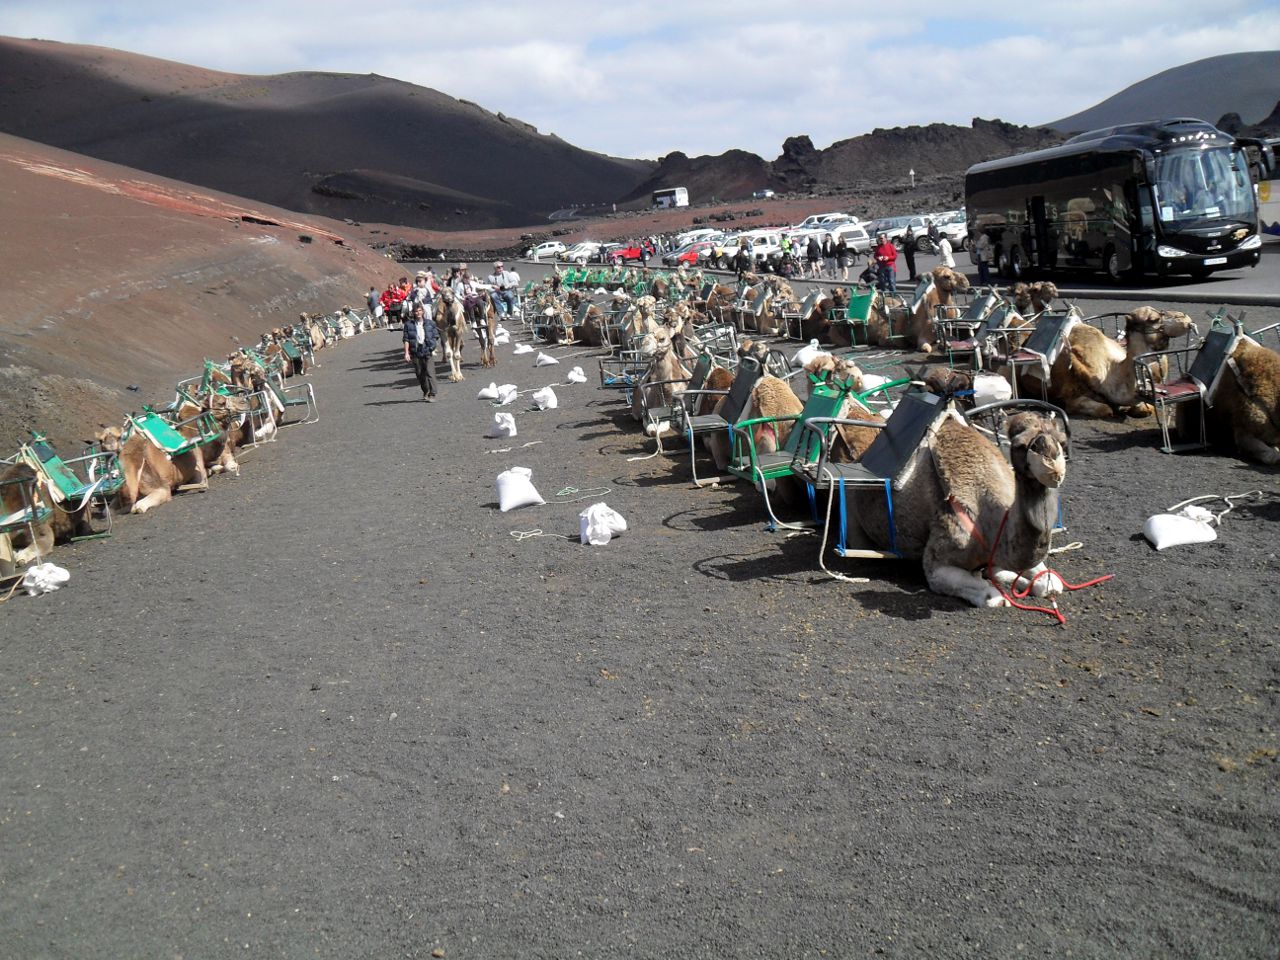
[301, 140]
[1247, 84]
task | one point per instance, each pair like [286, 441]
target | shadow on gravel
[387, 403]
[710, 518]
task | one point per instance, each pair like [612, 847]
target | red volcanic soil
[115, 278]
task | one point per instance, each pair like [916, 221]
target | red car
[691, 253]
[631, 253]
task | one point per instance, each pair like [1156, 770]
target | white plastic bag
[546, 399]
[501, 337]
[507, 393]
[1191, 524]
[44, 578]
[488, 393]
[521, 348]
[872, 380]
[599, 523]
[545, 360]
[990, 388]
[576, 375]
[504, 425]
[806, 354]
[515, 489]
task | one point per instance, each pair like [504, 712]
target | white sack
[546, 399]
[501, 337]
[521, 348]
[44, 578]
[488, 393]
[577, 376]
[1191, 524]
[872, 380]
[806, 354]
[515, 489]
[545, 360]
[507, 393]
[990, 388]
[598, 524]
[504, 425]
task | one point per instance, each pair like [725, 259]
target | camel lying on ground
[946, 284]
[1095, 376]
[150, 476]
[961, 508]
[1246, 404]
[63, 522]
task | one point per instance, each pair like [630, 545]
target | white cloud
[643, 80]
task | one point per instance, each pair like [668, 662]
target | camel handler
[420, 337]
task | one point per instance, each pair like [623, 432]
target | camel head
[656, 342]
[840, 297]
[834, 369]
[946, 382]
[950, 281]
[1038, 448]
[1020, 293]
[1156, 328]
[757, 349]
[110, 438]
[1043, 293]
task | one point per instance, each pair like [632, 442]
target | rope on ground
[521, 535]
[590, 493]
[531, 443]
[826, 528]
[1230, 501]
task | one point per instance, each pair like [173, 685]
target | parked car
[546, 251]
[703, 233]
[855, 236]
[581, 252]
[763, 195]
[691, 253]
[819, 219]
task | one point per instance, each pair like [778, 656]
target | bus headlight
[1253, 243]
[1163, 251]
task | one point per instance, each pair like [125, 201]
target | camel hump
[970, 467]
[775, 398]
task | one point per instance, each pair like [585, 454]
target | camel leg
[1088, 407]
[155, 498]
[1262, 452]
[1048, 585]
[954, 582]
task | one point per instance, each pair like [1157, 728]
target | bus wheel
[1112, 260]
[1017, 268]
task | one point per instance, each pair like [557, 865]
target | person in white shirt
[504, 283]
[944, 251]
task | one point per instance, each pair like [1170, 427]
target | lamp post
[912, 174]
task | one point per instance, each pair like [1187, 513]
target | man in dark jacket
[420, 338]
[909, 253]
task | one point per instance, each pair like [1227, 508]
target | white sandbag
[521, 348]
[1191, 524]
[599, 523]
[504, 425]
[990, 388]
[546, 399]
[515, 489]
[501, 337]
[545, 360]
[507, 393]
[872, 380]
[806, 354]
[576, 375]
[488, 393]
[44, 578]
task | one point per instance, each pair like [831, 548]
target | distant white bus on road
[672, 197]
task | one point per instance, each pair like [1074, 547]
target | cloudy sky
[643, 79]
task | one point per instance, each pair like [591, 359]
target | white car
[582, 252]
[855, 236]
[546, 251]
[824, 220]
[702, 233]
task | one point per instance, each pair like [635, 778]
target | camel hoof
[138, 509]
[1141, 410]
[991, 597]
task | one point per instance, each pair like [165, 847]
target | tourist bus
[672, 197]
[1166, 196]
[1263, 155]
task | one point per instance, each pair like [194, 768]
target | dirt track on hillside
[333, 708]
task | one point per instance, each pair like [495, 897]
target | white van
[546, 251]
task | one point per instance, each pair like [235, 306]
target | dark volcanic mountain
[359, 147]
[1247, 84]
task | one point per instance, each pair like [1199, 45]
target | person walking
[742, 260]
[909, 253]
[886, 260]
[813, 253]
[829, 255]
[842, 259]
[420, 338]
[935, 236]
[944, 251]
[982, 255]
[374, 303]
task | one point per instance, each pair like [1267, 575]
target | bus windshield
[1203, 184]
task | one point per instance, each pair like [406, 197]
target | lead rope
[1014, 594]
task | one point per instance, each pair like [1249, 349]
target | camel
[961, 509]
[818, 326]
[719, 302]
[656, 388]
[1246, 404]
[64, 521]
[452, 321]
[485, 332]
[946, 283]
[1095, 376]
[888, 321]
[150, 476]
[1032, 299]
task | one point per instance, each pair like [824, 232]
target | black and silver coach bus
[1168, 196]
